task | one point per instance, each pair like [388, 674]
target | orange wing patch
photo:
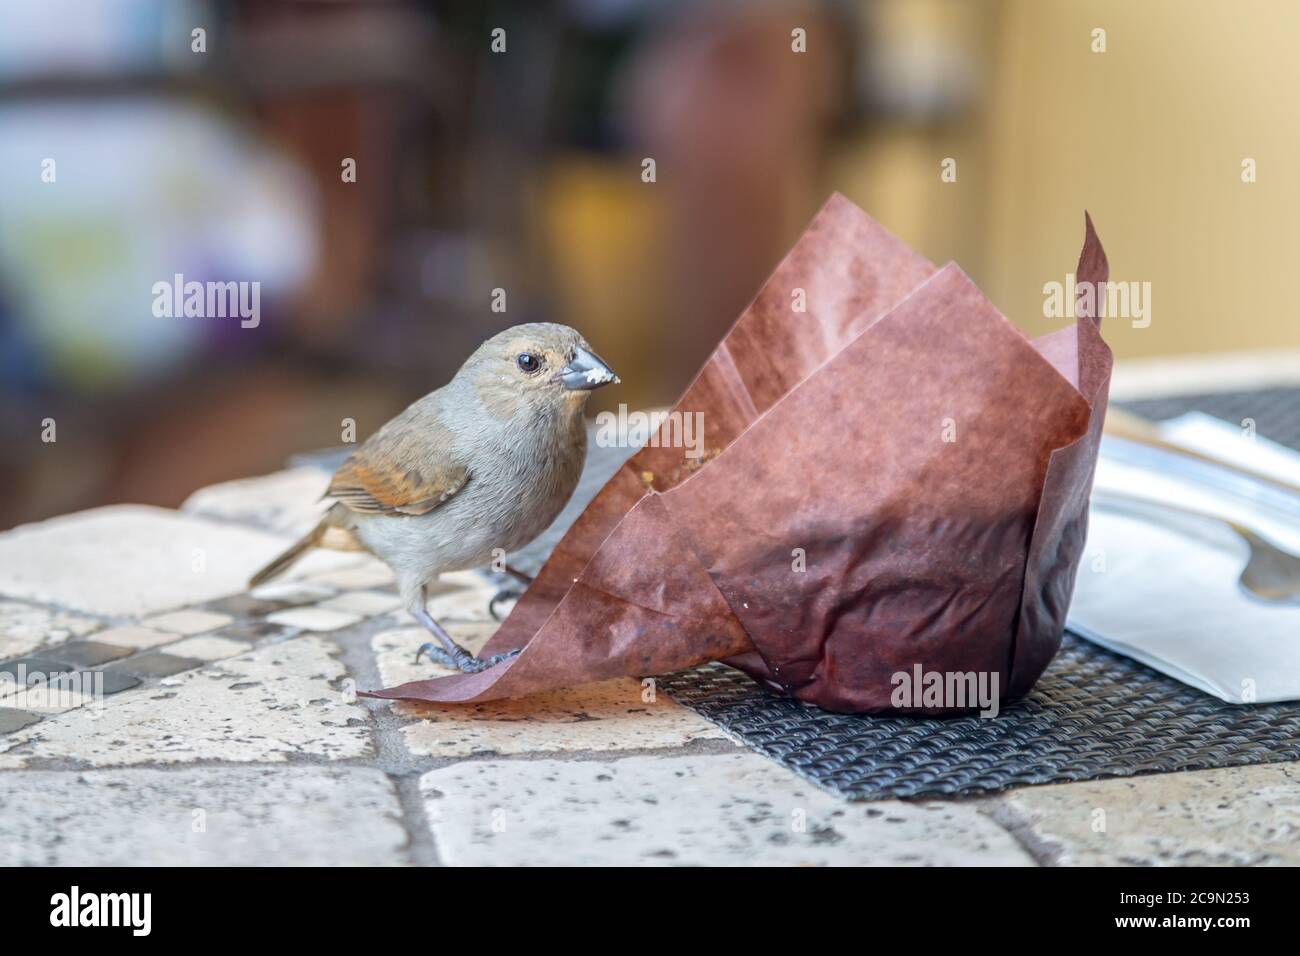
[382, 487]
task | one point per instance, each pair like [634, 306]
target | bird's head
[536, 365]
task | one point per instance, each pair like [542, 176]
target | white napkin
[1162, 587]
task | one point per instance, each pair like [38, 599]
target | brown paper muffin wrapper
[894, 478]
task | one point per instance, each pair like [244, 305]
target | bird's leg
[509, 593]
[519, 575]
[451, 654]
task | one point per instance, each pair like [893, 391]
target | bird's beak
[585, 372]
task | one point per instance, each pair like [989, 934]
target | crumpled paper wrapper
[894, 477]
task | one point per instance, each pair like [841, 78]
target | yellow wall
[1150, 137]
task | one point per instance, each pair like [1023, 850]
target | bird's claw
[436, 654]
[496, 659]
[463, 661]
[505, 594]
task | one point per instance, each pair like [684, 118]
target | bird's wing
[396, 472]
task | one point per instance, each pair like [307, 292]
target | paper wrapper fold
[895, 477]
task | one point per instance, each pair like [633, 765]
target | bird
[485, 462]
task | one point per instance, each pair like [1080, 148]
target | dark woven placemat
[1093, 714]
[1275, 411]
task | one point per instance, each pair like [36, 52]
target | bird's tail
[287, 559]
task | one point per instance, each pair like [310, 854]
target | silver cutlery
[1271, 574]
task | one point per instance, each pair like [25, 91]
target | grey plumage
[486, 462]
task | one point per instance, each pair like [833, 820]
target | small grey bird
[485, 462]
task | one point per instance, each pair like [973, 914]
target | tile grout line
[420, 845]
[390, 757]
[406, 765]
[1018, 826]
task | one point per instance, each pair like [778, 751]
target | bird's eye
[528, 362]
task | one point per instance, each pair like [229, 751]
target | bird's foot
[450, 654]
[505, 594]
[511, 593]
[461, 659]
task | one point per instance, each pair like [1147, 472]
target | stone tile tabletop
[222, 727]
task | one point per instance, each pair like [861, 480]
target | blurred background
[522, 170]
